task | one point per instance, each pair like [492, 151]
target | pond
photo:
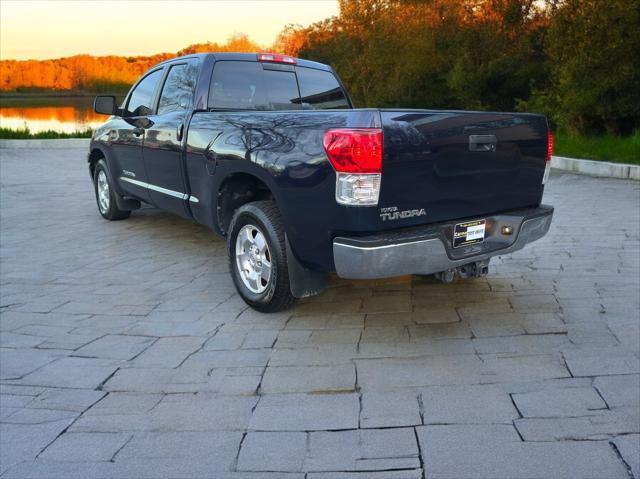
[62, 114]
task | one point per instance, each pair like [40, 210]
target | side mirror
[105, 105]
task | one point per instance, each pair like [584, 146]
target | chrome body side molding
[160, 189]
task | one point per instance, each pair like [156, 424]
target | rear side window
[141, 99]
[320, 90]
[177, 92]
[239, 85]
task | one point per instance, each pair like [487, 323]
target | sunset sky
[53, 29]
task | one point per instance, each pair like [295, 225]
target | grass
[82, 103]
[38, 101]
[26, 134]
[605, 147]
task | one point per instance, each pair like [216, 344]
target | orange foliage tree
[98, 74]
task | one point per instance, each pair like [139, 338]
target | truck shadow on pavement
[410, 308]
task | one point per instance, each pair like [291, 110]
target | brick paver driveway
[127, 353]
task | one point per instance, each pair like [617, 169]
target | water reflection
[49, 113]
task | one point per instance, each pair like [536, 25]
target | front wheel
[105, 195]
[257, 257]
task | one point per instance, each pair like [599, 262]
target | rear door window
[177, 92]
[320, 89]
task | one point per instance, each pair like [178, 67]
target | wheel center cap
[254, 259]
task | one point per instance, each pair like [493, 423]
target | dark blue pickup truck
[267, 150]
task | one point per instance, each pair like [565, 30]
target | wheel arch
[238, 188]
[251, 187]
[95, 155]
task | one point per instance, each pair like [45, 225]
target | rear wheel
[105, 196]
[257, 257]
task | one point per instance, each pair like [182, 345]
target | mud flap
[126, 203]
[304, 282]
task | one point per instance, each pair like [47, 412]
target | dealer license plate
[468, 233]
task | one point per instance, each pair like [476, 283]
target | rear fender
[223, 172]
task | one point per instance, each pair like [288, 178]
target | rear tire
[105, 194]
[257, 257]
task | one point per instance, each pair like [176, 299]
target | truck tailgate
[442, 165]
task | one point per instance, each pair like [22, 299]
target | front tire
[257, 257]
[105, 195]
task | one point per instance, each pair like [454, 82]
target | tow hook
[476, 269]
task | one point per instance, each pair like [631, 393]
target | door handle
[179, 132]
[482, 142]
[138, 131]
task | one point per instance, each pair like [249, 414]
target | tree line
[106, 74]
[577, 61]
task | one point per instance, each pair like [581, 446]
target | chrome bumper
[428, 250]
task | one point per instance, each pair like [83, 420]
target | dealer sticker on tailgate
[468, 233]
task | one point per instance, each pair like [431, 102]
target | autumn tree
[239, 42]
[290, 40]
[107, 74]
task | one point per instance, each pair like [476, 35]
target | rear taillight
[547, 167]
[356, 155]
[276, 58]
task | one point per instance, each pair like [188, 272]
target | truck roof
[248, 57]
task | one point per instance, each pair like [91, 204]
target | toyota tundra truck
[268, 151]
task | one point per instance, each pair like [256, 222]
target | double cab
[268, 151]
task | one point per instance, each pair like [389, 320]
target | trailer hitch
[476, 269]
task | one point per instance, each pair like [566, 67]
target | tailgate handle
[482, 142]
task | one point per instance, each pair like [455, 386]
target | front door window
[141, 98]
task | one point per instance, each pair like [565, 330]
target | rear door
[163, 141]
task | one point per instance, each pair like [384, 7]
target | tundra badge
[391, 213]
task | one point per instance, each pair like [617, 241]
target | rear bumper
[428, 249]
